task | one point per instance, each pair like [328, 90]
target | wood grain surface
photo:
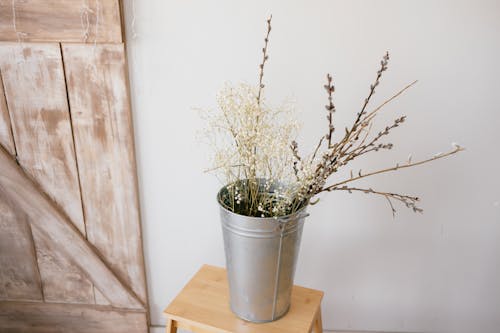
[102, 128]
[83, 21]
[55, 227]
[68, 318]
[100, 299]
[70, 239]
[19, 277]
[204, 303]
[35, 88]
[6, 139]
[36, 93]
[63, 281]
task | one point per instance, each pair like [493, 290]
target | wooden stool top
[204, 304]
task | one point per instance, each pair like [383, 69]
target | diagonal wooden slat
[35, 90]
[33, 80]
[19, 276]
[6, 139]
[55, 227]
[62, 279]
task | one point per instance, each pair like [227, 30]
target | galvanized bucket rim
[281, 219]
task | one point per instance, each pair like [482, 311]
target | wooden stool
[203, 307]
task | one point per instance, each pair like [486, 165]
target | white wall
[436, 272]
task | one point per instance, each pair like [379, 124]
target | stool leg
[318, 323]
[171, 327]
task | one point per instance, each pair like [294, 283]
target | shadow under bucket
[261, 255]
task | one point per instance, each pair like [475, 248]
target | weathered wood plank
[35, 87]
[19, 277]
[6, 139]
[23, 317]
[100, 298]
[62, 280]
[36, 94]
[102, 126]
[84, 21]
[55, 227]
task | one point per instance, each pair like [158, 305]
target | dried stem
[394, 168]
[265, 57]
[370, 115]
[330, 89]
[408, 201]
[383, 67]
[259, 157]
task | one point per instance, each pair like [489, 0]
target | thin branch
[392, 206]
[397, 167]
[383, 68]
[317, 148]
[348, 135]
[265, 57]
[223, 166]
[363, 149]
[370, 115]
[330, 89]
[407, 200]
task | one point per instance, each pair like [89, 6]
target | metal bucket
[261, 254]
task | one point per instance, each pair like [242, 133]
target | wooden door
[71, 257]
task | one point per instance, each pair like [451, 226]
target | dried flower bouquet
[258, 159]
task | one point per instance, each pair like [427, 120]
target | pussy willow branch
[370, 115]
[265, 57]
[394, 168]
[383, 67]
[408, 201]
[317, 148]
[363, 148]
[330, 89]
[332, 160]
[366, 121]
[351, 135]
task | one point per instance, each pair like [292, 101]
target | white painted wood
[84, 21]
[102, 127]
[35, 88]
[5, 128]
[63, 281]
[56, 229]
[19, 276]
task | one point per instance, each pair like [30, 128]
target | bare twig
[383, 67]
[394, 168]
[407, 200]
[330, 89]
[265, 57]
[370, 115]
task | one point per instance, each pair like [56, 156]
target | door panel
[73, 318]
[70, 236]
[19, 277]
[102, 127]
[81, 21]
[35, 90]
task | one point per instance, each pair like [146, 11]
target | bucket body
[261, 255]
